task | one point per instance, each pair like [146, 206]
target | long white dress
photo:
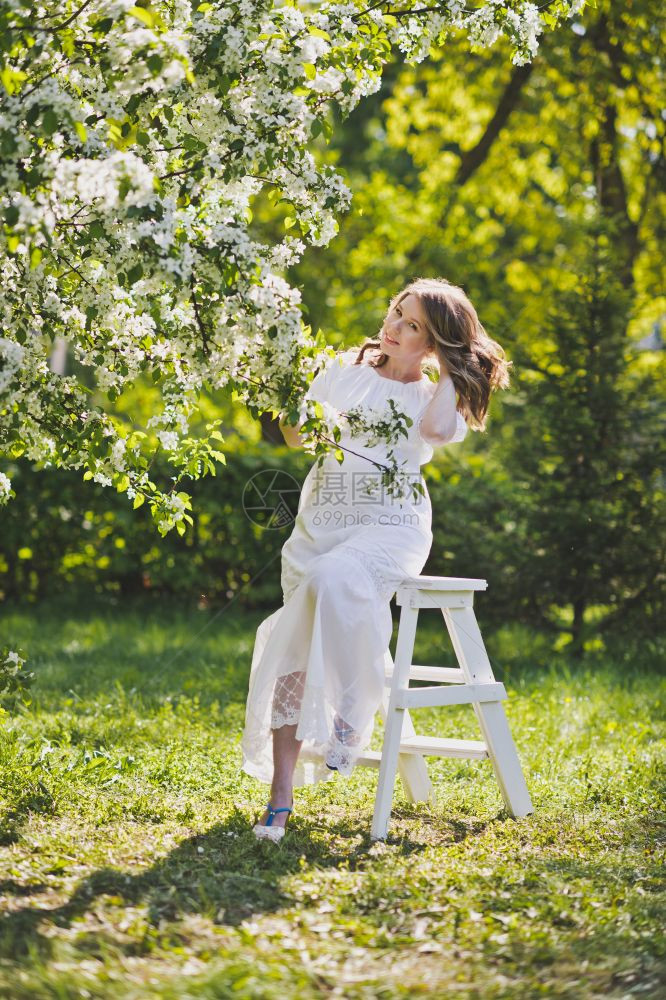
[319, 661]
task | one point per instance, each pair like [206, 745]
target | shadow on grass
[196, 878]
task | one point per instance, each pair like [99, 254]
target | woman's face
[404, 335]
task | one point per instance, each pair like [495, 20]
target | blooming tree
[134, 137]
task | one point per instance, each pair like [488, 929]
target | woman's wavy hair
[477, 363]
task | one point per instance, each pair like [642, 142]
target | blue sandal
[270, 832]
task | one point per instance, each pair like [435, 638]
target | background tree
[586, 452]
[489, 175]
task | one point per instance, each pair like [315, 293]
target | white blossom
[168, 439]
[5, 488]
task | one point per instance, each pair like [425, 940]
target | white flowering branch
[134, 138]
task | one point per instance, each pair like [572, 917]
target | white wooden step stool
[470, 683]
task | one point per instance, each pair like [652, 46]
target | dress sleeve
[320, 387]
[461, 428]
[459, 433]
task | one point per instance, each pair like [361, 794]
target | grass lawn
[128, 867]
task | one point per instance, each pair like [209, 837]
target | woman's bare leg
[287, 698]
[285, 754]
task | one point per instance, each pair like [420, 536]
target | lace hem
[344, 747]
[287, 699]
[340, 750]
[279, 719]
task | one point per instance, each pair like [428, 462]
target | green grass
[129, 869]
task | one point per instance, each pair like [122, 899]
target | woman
[319, 661]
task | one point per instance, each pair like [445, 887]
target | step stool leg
[504, 757]
[473, 659]
[394, 723]
[412, 767]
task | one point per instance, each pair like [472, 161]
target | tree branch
[473, 158]
[73, 17]
[197, 315]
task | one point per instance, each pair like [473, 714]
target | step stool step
[443, 583]
[438, 592]
[435, 746]
[445, 675]
[426, 746]
[431, 746]
[454, 694]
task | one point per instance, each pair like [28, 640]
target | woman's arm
[319, 390]
[438, 422]
[290, 433]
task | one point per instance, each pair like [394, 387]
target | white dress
[319, 661]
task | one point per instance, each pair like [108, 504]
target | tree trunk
[473, 158]
[270, 429]
[577, 628]
[58, 359]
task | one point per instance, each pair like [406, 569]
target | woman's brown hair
[476, 363]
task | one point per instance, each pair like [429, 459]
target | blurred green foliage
[62, 532]
[540, 190]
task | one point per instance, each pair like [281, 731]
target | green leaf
[145, 16]
[11, 79]
[49, 121]
[8, 144]
[134, 273]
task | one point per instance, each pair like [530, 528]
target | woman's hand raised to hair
[443, 368]
[438, 422]
[441, 360]
[290, 432]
